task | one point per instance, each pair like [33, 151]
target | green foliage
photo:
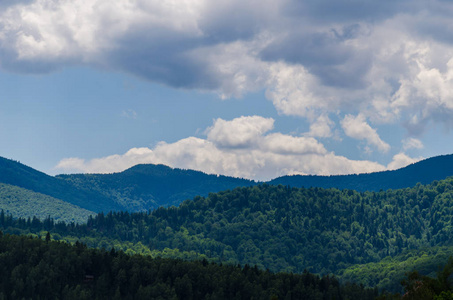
[281, 228]
[389, 272]
[23, 203]
[420, 287]
[31, 268]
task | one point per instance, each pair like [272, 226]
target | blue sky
[254, 89]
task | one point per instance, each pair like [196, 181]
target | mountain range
[145, 187]
[367, 228]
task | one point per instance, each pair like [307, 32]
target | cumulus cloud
[271, 154]
[401, 160]
[388, 61]
[321, 127]
[239, 133]
[358, 128]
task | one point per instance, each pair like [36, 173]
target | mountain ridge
[146, 186]
[424, 172]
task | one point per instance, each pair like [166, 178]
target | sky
[252, 89]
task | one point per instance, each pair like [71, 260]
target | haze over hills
[144, 187]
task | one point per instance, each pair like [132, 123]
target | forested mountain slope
[28, 204]
[17, 174]
[139, 188]
[31, 268]
[147, 186]
[425, 171]
[281, 228]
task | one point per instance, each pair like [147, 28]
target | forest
[34, 268]
[325, 231]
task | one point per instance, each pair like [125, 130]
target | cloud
[401, 160]
[358, 128]
[239, 133]
[389, 61]
[412, 143]
[322, 127]
[428, 96]
[271, 154]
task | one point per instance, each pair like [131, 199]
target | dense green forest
[276, 227]
[388, 273]
[425, 171]
[23, 203]
[32, 268]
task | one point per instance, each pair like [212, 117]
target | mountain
[424, 172]
[20, 175]
[43, 269]
[140, 188]
[28, 204]
[283, 229]
[144, 187]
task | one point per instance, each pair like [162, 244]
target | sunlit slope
[28, 204]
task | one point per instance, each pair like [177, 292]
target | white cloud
[321, 127]
[428, 95]
[286, 144]
[271, 155]
[358, 128]
[401, 160]
[412, 143]
[239, 133]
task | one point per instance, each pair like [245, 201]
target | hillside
[425, 171]
[139, 188]
[280, 228]
[27, 204]
[35, 269]
[145, 187]
[17, 174]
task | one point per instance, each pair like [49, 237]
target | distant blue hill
[424, 172]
